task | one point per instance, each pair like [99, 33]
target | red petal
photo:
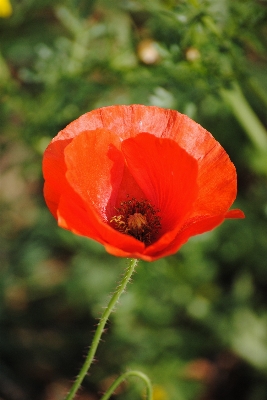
[128, 188]
[218, 183]
[85, 221]
[235, 214]
[216, 173]
[129, 121]
[95, 169]
[54, 170]
[73, 215]
[119, 252]
[165, 173]
[51, 198]
[193, 228]
[125, 121]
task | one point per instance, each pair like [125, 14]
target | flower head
[140, 180]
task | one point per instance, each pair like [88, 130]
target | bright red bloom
[140, 180]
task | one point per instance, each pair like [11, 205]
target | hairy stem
[100, 328]
[123, 377]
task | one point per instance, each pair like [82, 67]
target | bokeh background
[195, 322]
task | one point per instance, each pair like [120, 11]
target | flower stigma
[138, 219]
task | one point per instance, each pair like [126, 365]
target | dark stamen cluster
[138, 219]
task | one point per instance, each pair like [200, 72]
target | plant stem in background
[123, 377]
[246, 116]
[100, 328]
[258, 90]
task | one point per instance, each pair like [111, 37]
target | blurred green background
[195, 322]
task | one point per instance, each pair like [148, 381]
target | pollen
[138, 219]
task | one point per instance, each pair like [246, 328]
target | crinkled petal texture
[145, 153]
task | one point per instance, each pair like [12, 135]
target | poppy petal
[166, 174]
[216, 173]
[235, 214]
[126, 121]
[218, 189]
[195, 228]
[95, 169]
[73, 215]
[54, 170]
[119, 252]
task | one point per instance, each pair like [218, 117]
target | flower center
[138, 219]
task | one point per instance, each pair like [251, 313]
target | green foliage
[195, 322]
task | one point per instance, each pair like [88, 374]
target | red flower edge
[141, 180]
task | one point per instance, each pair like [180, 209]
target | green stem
[122, 378]
[246, 116]
[100, 328]
[258, 90]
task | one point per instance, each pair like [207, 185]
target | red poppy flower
[140, 180]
